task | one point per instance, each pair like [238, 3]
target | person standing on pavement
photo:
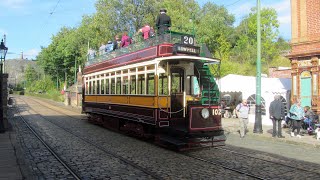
[242, 110]
[277, 114]
[297, 115]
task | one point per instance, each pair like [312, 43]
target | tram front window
[177, 82]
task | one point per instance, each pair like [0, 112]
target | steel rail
[75, 175]
[246, 155]
[131, 163]
[226, 167]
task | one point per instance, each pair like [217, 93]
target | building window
[315, 84]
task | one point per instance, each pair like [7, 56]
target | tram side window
[150, 84]
[102, 86]
[125, 85]
[133, 84]
[87, 88]
[113, 86]
[93, 87]
[194, 86]
[163, 84]
[90, 87]
[141, 84]
[118, 85]
[98, 87]
[107, 86]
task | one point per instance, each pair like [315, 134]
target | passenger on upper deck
[151, 33]
[91, 54]
[109, 47]
[125, 40]
[145, 31]
[163, 21]
[116, 43]
[102, 49]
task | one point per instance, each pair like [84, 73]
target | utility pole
[75, 70]
[258, 124]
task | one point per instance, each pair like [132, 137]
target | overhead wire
[232, 3]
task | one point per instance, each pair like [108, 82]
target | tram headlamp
[205, 113]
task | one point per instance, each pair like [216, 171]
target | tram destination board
[186, 49]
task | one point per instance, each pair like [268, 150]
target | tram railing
[138, 43]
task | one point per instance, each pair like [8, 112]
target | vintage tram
[161, 88]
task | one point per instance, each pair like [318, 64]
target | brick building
[305, 52]
[280, 72]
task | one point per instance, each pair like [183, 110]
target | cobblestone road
[91, 162]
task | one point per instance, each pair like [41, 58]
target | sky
[30, 24]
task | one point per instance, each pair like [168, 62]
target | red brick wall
[274, 73]
[313, 18]
[309, 43]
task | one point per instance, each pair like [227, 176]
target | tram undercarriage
[177, 138]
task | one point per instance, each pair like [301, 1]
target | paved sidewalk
[9, 169]
[231, 125]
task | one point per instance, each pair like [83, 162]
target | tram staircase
[210, 91]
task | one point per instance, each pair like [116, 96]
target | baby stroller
[310, 125]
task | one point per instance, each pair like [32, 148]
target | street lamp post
[258, 125]
[3, 53]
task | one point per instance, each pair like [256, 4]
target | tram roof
[182, 57]
[160, 49]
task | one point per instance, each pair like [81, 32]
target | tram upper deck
[169, 44]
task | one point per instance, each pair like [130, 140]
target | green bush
[52, 94]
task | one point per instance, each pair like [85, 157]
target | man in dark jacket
[277, 114]
[163, 21]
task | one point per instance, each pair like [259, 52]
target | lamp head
[3, 50]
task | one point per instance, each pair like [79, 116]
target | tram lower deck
[173, 99]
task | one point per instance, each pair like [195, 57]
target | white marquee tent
[234, 88]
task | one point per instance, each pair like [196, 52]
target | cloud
[242, 10]
[32, 53]
[285, 19]
[281, 7]
[2, 32]
[14, 4]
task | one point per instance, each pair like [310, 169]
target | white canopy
[239, 83]
[244, 87]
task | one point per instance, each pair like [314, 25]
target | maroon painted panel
[126, 59]
[134, 57]
[197, 122]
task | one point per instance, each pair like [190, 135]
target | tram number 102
[189, 40]
[216, 112]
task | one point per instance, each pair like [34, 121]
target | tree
[31, 74]
[245, 48]
[215, 29]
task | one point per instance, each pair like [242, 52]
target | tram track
[242, 170]
[226, 167]
[56, 156]
[269, 161]
[196, 158]
[246, 164]
[129, 162]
